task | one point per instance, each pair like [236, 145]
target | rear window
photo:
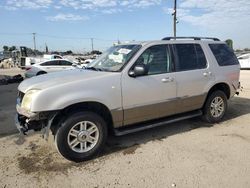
[224, 54]
[189, 57]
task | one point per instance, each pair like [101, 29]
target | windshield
[114, 58]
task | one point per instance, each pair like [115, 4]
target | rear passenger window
[223, 54]
[65, 63]
[189, 57]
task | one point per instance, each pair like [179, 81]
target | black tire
[41, 72]
[208, 114]
[61, 137]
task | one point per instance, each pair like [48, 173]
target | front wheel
[215, 107]
[81, 136]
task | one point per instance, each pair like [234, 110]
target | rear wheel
[215, 107]
[81, 136]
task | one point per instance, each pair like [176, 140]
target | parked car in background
[28, 61]
[49, 66]
[244, 61]
[87, 61]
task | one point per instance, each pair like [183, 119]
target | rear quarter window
[224, 54]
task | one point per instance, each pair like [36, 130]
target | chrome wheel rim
[217, 107]
[83, 136]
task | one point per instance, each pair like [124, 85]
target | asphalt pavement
[8, 94]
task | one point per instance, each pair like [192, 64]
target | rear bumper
[235, 89]
[238, 89]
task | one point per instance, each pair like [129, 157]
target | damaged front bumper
[21, 128]
[27, 121]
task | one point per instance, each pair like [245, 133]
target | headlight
[27, 99]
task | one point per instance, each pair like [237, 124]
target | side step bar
[156, 123]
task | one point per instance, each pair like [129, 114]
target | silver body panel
[132, 100]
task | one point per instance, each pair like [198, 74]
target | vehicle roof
[143, 43]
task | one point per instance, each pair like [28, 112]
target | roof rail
[195, 38]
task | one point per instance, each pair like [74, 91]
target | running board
[155, 123]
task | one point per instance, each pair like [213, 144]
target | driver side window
[156, 60]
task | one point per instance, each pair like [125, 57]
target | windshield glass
[114, 58]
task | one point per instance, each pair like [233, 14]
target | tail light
[27, 68]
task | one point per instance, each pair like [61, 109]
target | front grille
[20, 95]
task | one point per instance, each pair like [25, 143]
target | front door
[152, 95]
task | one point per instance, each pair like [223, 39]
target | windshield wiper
[93, 68]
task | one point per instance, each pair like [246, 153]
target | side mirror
[139, 70]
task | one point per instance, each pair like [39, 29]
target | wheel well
[41, 72]
[221, 86]
[95, 107]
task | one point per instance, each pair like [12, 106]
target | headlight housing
[27, 99]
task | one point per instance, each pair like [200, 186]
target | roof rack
[195, 38]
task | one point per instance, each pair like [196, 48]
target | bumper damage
[26, 122]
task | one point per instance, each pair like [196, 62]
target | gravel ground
[185, 154]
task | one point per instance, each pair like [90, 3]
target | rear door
[192, 76]
[48, 66]
[53, 66]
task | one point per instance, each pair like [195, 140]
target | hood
[59, 78]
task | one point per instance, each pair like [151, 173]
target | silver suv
[131, 87]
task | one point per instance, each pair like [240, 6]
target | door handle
[168, 79]
[206, 74]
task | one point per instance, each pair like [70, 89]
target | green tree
[12, 48]
[229, 43]
[5, 48]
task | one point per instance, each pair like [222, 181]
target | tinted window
[46, 63]
[223, 54]
[156, 59]
[189, 57]
[50, 63]
[65, 63]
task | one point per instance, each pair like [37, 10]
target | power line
[61, 37]
[15, 34]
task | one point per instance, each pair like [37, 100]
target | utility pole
[34, 40]
[175, 16]
[92, 44]
[46, 49]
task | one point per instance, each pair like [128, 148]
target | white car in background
[244, 61]
[49, 66]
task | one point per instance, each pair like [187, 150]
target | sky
[70, 24]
